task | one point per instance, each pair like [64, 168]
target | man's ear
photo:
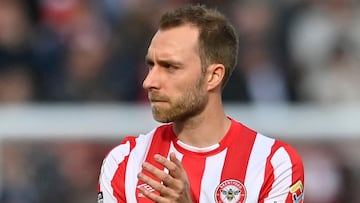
[215, 75]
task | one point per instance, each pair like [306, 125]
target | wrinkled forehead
[178, 40]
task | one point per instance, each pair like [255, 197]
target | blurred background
[70, 89]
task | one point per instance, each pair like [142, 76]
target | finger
[156, 185]
[152, 183]
[175, 160]
[160, 174]
[154, 197]
[173, 168]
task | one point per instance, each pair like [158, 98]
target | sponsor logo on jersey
[230, 191]
[100, 197]
[297, 192]
[146, 187]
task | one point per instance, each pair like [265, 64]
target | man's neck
[203, 130]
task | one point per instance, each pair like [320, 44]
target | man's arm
[284, 177]
[112, 176]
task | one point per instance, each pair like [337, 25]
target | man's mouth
[154, 99]
[157, 101]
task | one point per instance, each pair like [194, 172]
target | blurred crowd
[51, 172]
[291, 51]
[91, 50]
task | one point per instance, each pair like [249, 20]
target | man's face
[175, 82]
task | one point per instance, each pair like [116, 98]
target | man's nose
[151, 81]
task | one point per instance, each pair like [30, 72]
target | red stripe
[240, 147]
[196, 165]
[297, 170]
[160, 144]
[117, 183]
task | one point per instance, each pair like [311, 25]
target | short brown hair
[218, 41]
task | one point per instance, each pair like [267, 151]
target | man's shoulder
[129, 142]
[276, 143]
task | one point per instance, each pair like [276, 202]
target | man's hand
[173, 188]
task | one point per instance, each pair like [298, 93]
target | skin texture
[174, 81]
[181, 93]
[175, 186]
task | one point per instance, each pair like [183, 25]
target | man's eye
[169, 66]
[149, 64]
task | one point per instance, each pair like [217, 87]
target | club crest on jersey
[230, 191]
[297, 192]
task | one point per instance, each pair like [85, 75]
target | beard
[190, 103]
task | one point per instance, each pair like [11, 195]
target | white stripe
[177, 154]
[255, 171]
[133, 167]
[211, 177]
[108, 169]
[282, 165]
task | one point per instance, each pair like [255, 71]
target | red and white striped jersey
[244, 167]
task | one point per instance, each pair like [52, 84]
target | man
[201, 155]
